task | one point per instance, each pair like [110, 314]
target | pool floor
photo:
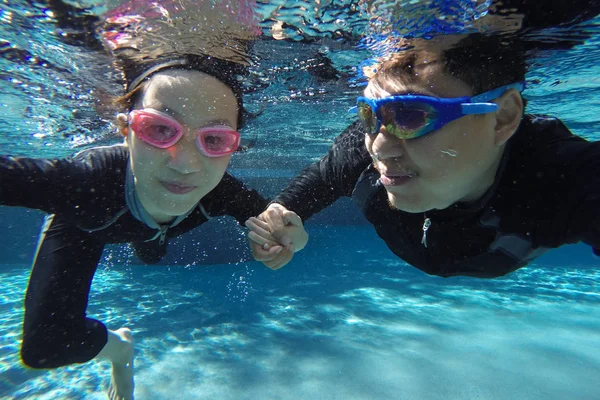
[345, 320]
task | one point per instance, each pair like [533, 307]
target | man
[448, 169]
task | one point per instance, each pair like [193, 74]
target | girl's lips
[397, 180]
[177, 188]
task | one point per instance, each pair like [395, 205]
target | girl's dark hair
[136, 72]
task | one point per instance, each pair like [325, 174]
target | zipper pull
[426, 225]
[163, 234]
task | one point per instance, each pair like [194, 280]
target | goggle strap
[495, 93]
[478, 108]
[479, 104]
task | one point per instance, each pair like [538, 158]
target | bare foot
[121, 383]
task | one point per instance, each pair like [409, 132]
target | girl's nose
[185, 157]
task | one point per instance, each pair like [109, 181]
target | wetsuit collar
[137, 209]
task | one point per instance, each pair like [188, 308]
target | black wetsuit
[546, 194]
[86, 196]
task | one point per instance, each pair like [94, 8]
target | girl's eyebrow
[167, 110]
[179, 117]
[218, 121]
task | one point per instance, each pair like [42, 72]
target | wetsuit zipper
[163, 234]
[426, 225]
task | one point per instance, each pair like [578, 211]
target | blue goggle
[412, 116]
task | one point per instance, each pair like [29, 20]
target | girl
[180, 126]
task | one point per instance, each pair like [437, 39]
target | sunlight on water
[55, 93]
[347, 319]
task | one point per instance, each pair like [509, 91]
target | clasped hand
[275, 235]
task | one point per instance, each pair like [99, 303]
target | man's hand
[275, 235]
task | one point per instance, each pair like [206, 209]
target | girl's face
[171, 181]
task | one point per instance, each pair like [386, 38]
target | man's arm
[231, 197]
[584, 219]
[330, 178]
[315, 188]
[570, 167]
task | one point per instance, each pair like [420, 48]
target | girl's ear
[122, 124]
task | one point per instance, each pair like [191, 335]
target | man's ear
[122, 124]
[508, 115]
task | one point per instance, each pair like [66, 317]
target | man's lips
[396, 178]
[178, 187]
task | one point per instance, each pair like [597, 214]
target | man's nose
[386, 145]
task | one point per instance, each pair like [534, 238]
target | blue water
[346, 319]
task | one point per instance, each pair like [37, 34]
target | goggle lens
[162, 131]
[408, 120]
[155, 129]
[367, 117]
[403, 120]
[218, 141]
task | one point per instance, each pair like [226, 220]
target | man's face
[171, 181]
[455, 163]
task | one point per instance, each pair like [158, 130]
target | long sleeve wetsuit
[85, 196]
[546, 194]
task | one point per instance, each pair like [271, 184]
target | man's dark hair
[486, 62]
[482, 62]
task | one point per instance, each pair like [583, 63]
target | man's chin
[412, 206]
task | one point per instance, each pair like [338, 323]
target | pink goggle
[161, 130]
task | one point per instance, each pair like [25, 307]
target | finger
[275, 226]
[282, 238]
[260, 254]
[259, 222]
[291, 218]
[259, 230]
[257, 225]
[281, 260]
[266, 258]
[258, 243]
[273, 262]
[274, 218]
[259, 240]
[285, 241]
[273, 252]
[278, 229]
